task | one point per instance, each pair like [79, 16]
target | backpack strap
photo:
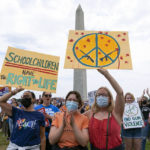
[107, 131]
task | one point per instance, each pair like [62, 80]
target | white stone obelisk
[80, 79]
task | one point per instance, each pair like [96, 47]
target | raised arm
[7, 108]
[147, 91]
[140, 98]
[119, 103]
[142, 95]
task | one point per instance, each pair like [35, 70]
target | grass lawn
[148, 145]
[4, 142]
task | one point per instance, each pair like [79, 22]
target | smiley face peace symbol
[131, 110]
[96, 50]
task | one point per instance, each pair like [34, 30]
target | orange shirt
[68, 138]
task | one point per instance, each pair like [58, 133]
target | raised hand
[147, 91]
[143, 92]
[17, 90]
[102, 71]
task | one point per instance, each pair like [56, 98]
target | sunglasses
[48, 95]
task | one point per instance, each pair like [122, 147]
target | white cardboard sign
[132, 117]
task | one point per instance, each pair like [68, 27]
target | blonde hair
[128, 93]
[109, 108]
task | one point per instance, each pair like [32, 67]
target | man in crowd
[48, 110]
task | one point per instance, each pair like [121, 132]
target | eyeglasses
[48, 95]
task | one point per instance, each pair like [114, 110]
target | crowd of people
[71, 124]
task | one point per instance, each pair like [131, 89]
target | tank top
[98, 132]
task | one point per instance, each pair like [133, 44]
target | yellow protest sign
[93, 49]
[30, 70]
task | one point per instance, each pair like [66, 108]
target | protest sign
[29, 69]
[94, 49]
[91, 97]
[4, 90]
[132, 117]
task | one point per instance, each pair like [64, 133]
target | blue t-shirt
[50, 110]
[26, 127]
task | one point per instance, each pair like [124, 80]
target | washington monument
[80, 79]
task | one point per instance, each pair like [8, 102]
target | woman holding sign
[105, 118]
[132, 124]
[28, 124]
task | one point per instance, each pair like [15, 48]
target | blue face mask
[102, 101]
[71, 105]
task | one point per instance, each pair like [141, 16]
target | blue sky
[43, 26]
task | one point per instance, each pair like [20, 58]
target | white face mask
[71, 105]
[102, 101]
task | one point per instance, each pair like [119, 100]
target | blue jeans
[145, 132]
[10, 125]
[132, 133]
